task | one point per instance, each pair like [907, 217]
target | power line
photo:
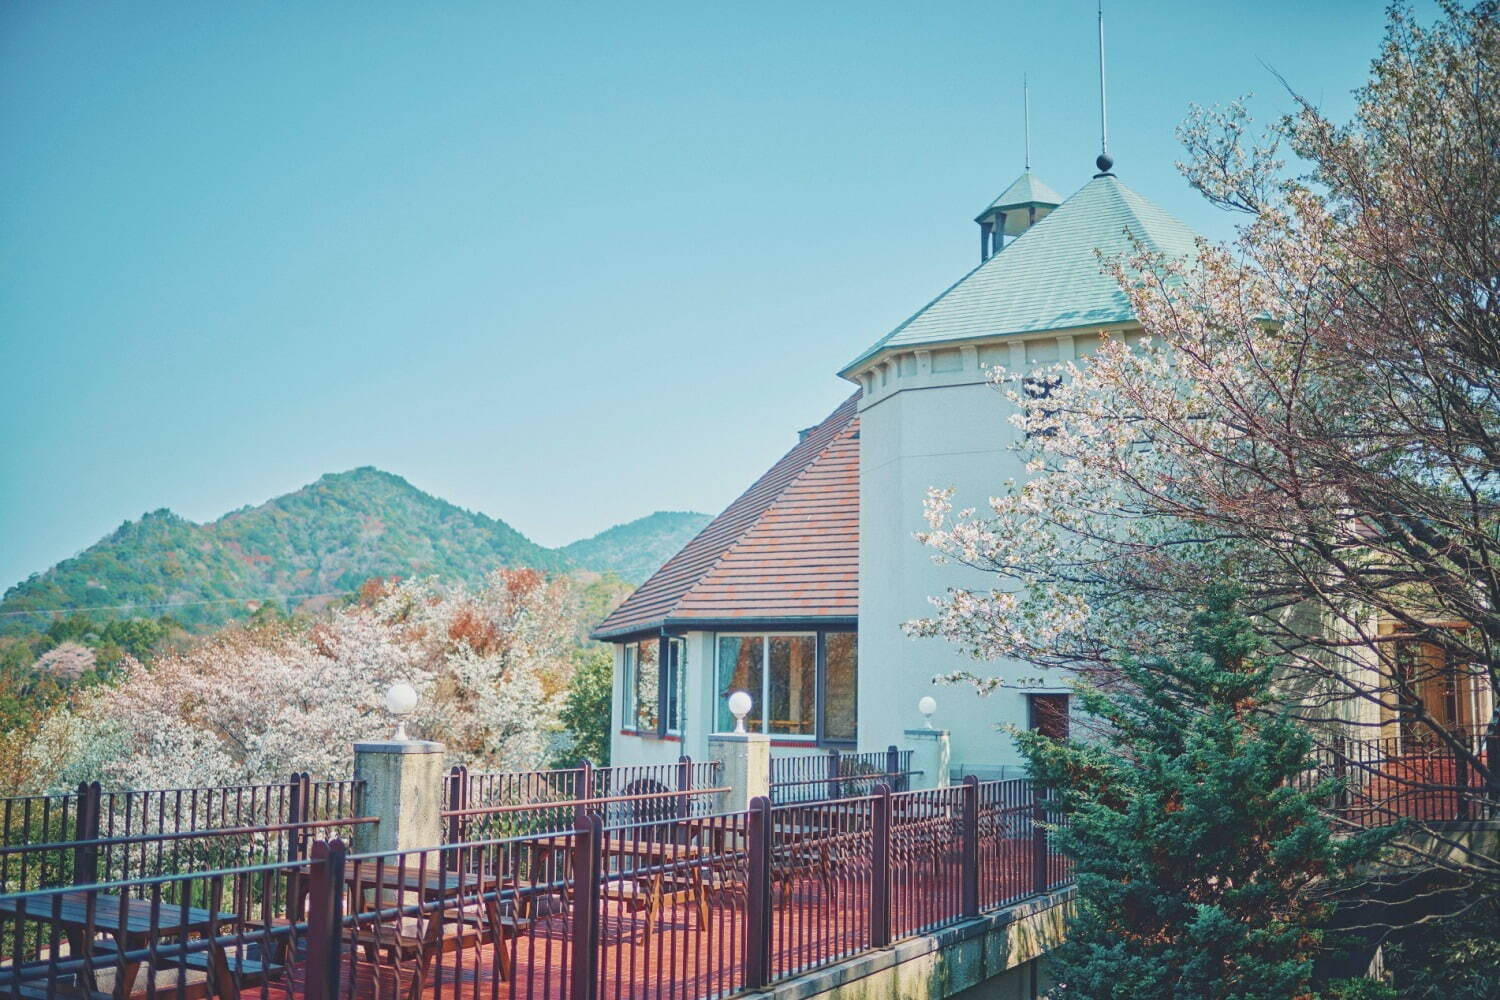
[171, 604]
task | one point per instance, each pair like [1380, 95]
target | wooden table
[431, 884]
[650, 890]
[133, 924]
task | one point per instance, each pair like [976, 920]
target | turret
[1022, 205]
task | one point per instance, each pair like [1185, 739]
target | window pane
[740, 670]
[647, 675]
[675, 663]
[627, 711]
[794, 680]
[841, 686]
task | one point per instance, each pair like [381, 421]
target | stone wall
[997, 957]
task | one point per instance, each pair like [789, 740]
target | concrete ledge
[398, 746]
[945, 962]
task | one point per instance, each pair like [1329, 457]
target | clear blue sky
[565, 264]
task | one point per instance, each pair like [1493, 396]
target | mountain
[310, 546]
[633, 551]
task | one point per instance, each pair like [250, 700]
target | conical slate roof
[1050, 277]
[1025, 190]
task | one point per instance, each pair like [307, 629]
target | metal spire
[1026, 104]
[1103, 162]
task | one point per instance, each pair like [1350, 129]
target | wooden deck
[814, 922]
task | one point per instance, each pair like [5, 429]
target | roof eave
[849, 372]
[982, 216]
[721, 624]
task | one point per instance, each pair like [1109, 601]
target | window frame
[819, 734]
[670, 684]
[628, 655]
[674, 686]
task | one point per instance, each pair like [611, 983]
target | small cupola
[1022, 205]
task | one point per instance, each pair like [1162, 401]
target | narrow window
[676, 675]
[1039, 388]
[841, 687]
[627, 685]
[647, 681]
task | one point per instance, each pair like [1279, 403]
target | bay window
[803, 685]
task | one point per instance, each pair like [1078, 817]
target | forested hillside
[311, 545]
[635, 550]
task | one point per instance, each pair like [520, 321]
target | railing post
[685, 786]
[1038, 839]
[969, 869]
[758, 894]
[893, 768]
[835, 787]
[458, 798]
[297, 786]
[1461, 781]
[880, 868]
[325, 918]
[1341, 774]
[86, 827]
[1492, 765]
[588, 849]
[585, 791]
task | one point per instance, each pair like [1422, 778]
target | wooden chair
[219, 971]
[424, 931]
[214, 972]
[686, 874]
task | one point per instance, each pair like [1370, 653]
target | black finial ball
[1104, 163]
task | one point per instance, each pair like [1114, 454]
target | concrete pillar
[404, 787]
[930, 754]
[747, 767]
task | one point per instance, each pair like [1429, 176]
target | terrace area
[582, 883]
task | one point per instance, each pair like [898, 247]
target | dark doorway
[1048, 715]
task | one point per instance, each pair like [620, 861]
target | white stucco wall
[698, 683]
[929, 419]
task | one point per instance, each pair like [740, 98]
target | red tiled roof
[787, 548]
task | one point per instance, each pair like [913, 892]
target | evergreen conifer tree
[1201, 852]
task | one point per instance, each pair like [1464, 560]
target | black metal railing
[690, 907]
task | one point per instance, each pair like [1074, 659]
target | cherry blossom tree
[250, 704]
[1313, 414]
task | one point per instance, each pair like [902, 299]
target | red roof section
[787, 548]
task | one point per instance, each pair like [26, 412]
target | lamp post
[401, 701]
[739, 707]
[927, 705]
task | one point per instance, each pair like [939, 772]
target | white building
[770, 597]
[797, 592]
